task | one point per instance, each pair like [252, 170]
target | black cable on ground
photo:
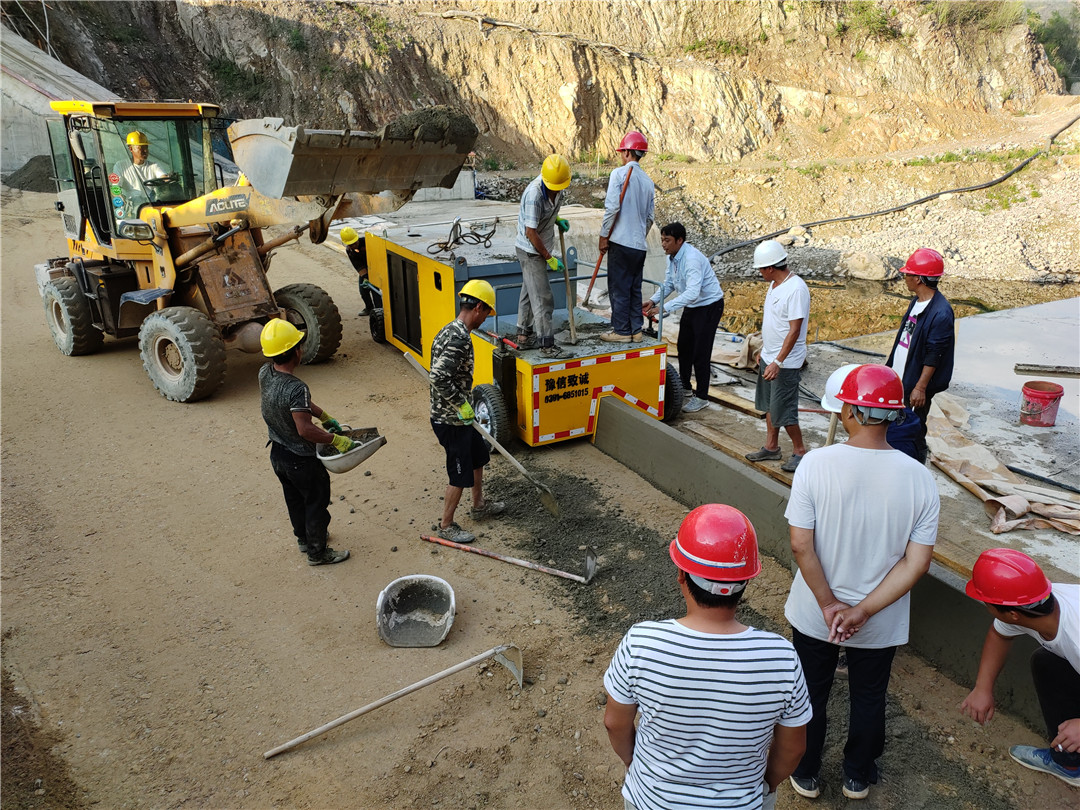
[853, 217]
[1042, 478]
[849, 348]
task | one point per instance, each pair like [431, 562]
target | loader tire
[183, 353]
[492, 413]
[673, 393]
[67, 311]
[377, 321]
[311, 310]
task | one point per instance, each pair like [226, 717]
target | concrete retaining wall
[947, 628]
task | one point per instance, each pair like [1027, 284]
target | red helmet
[634, 140]
[1002, 576]
[718, 543]
[924, 262]
[873, 386]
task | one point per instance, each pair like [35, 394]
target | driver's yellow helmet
[137, 138]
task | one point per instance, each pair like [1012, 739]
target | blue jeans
[868, 683]
[625, 267]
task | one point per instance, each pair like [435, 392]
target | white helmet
[832, 387]
[769, 254]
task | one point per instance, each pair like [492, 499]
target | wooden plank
[1036, 370]
[736, 449]
[730, 400]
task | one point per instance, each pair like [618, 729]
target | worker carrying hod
[723, 706]
[1023, 601]
[452, 413]
[863, 522]
[922, 352]
[356, 250]
[690, 274]
[288, 410]
[628, 217]
[537, 219]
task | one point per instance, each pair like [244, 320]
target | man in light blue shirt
[537, 219]
[690, 274]
[628, 217]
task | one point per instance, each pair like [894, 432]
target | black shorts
[466, 451]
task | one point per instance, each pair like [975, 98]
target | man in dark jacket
[922, 353]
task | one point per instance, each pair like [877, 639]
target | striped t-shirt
[708, 706]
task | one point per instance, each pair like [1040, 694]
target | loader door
[91, 176]
[67, 194]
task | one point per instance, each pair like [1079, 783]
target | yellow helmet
[556, 172]
[136, 138]
[481, 291]
[349, 236]
[278, 336]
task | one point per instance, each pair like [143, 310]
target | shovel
[547, 498]
[507, 654]
[590, 560]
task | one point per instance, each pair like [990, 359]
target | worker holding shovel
[288, 410]
[537, 219]
[452, 413]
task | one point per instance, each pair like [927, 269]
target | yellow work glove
[466, 413]
[330, 423]
[343, 444]
[562, 224]
[554, 265]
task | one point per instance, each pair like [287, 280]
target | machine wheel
[311, 310]
[377, 322]
[67, 311]
[491, 412]
[183, 353]
[673, 393]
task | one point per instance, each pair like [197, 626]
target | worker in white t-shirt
[863, 519]
[1023, 601]
[783, 352]
[139, 170]
[723, 706]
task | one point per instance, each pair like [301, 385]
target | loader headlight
[134, 229]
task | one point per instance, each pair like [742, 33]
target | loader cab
[185, 156]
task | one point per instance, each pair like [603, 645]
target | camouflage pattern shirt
[451, 372]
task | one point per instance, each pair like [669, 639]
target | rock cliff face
[706, 80]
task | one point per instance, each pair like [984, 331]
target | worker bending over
[356, 252]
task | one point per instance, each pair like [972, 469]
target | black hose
[1043, 479]
[850, 349]
[934, 196]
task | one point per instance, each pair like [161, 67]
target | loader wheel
[491, 412]
[673, 393]
[311, 310]
[67, 311]
[377, 321]
[183, 353]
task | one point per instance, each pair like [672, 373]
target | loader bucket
[418, 150]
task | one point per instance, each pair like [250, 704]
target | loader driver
[140, 170]
[452, 413]
[287, 409]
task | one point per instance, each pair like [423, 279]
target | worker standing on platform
[287, 410]
[922, 353]
[628, 217]
[863, 520]
[690, 274]
[537, 219]
[723, 706]
[452, 413]
[356, 250]
[1023, 601]
[785, 318]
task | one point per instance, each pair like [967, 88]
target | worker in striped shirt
[723, 706]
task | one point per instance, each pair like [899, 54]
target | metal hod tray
[336, 462]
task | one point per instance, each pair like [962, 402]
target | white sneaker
[694, 404]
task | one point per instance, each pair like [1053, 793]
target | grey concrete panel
[947, 627]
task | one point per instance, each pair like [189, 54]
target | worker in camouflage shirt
[452, 412]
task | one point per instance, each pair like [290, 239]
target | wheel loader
[164, 207]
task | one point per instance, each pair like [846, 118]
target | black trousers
[1058, 686]
[625, 269]
[868, 683]
[372, 300]
[697, 331]
[306, 485]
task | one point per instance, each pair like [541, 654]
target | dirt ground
[162, 632]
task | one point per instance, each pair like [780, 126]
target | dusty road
[159, 622]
